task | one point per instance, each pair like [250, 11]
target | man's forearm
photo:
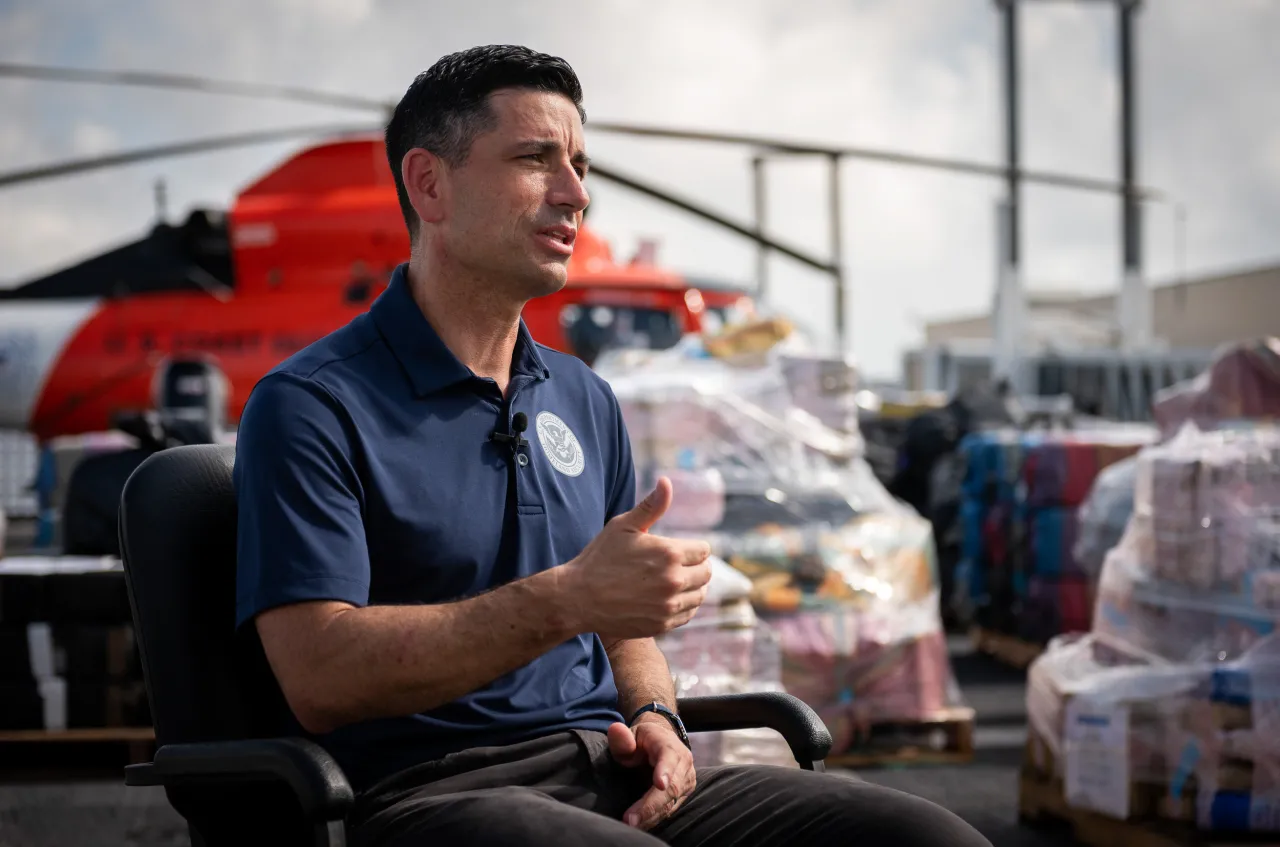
[385, 661]
[641, 673]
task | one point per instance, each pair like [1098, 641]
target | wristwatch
[672, 718]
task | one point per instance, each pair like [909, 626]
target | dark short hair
[447, 105]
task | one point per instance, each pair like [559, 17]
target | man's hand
[654, 742]
[629, 583]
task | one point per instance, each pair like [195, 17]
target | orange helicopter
[308, 245]
[302, 250]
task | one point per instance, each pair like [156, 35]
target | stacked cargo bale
[1021, 496]
[767, 466]
[1168, 709]
[68, 659]
[727, 649]
[992, 463]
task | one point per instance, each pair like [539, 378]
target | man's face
[515, 205]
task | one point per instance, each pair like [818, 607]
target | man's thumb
[651, 509]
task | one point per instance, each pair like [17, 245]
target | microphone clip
[519, 423]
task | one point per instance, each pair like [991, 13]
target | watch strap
[672, 718]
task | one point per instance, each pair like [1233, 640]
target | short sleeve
[623, 495]
[300, 530]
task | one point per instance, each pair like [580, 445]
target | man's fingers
[689, 601]
[649, 510]
[657, 804]
[650, 809]
[622, 744]
[665, 761]
[694, 553]
[696, 576]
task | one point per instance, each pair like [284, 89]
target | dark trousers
[565, 790]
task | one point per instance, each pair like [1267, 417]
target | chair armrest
[316, 779]
[804, 731]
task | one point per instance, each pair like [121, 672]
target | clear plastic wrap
[854, 679]
[726, 649]
[744, 451]
[1170, 707]
[1103, 516]
[1196, 575]
[1139, 738]
[1206, 507]
[856, 613]
[843, 575]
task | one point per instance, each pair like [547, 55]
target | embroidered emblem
[560, 444]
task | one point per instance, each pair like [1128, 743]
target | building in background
[1071, 342]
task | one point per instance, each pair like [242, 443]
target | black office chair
[215, 704]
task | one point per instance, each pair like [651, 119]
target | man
[462, 611]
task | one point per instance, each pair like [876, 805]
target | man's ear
[425, 183]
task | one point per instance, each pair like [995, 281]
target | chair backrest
[178, 546]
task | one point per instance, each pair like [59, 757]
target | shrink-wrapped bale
[842, 576]
[1242, 383]
[1170, 706]
[1103, 516]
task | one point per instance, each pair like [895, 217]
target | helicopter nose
[32, 335]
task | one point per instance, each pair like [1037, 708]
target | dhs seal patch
[560, 444]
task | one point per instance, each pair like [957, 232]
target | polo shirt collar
[429, 362]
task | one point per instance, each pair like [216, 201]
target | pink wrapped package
[683, 420]
[710, 649]
[854, 682]
[697, 499]
[1242, 383]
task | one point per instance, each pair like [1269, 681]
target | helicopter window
[570, 315]
[357, 291]
[592, 331]
[713, 320]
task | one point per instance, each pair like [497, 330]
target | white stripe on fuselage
[32, 335]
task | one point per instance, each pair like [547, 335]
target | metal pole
[837, 242]
[1010, 9]
[162, 201]
[1008, 312]
[1132, 221]
[761, 204]
[1135, 316]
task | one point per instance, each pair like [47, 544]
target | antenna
[162, 201]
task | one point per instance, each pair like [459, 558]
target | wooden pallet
[945, 738]
[1007, 649]
[37, 754]
[1042, 804]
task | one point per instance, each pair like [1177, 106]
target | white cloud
[920, 77]
[93, 139]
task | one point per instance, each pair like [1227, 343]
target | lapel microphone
[519, 423]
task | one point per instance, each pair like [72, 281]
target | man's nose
[569, 190]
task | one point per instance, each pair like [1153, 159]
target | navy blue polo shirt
[365, 473]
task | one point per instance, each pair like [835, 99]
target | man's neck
[480, 330]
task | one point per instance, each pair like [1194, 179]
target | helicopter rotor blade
[154, 79]
[150, 79]
[612, 175]
[804, 148]
[75, 166]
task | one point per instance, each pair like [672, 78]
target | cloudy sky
[920, 76]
